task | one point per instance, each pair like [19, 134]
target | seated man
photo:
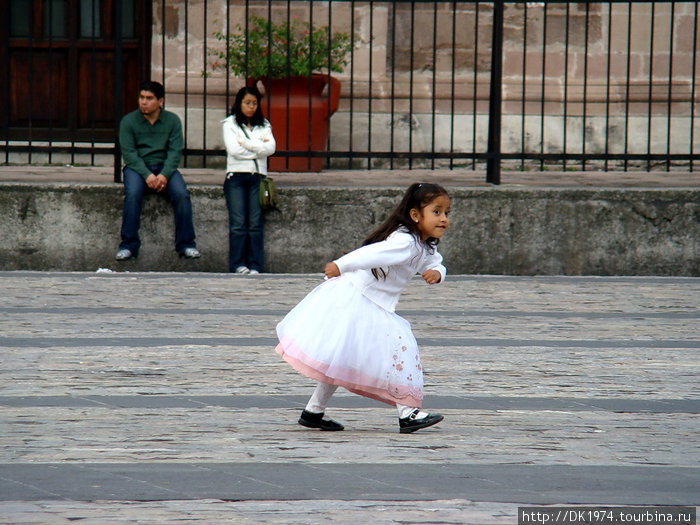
[151, 143]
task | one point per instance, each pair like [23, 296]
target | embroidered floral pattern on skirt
[337, 335]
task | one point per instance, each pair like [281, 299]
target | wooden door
[60, 66]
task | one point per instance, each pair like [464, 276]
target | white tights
[324, 391]
[320, 398]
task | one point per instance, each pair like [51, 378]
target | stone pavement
[157, 398]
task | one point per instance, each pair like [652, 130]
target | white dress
[345, 331]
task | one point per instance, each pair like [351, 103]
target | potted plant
[293, 61]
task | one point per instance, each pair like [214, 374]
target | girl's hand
[432, 276]
[331, 270]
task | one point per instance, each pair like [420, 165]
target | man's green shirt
[146, 145]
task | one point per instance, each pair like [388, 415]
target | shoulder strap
[257, 168]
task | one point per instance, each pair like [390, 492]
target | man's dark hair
[154, 87]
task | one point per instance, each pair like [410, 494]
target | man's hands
[156, 182]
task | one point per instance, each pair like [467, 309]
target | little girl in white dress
[346, 333]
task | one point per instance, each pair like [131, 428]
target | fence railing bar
[269, 66]
[50, 72]
[55, 148]
[162, 42]
[608, 66]
[584, 132]
[328, 99]
[411, 79]
[205, 35]
[187, 85]
[693, 82]
[628, 78]
[669, 107]
[434, 84]
[370, 94]
[544, 79]
[523, 89]
[566, 81]
[652, 25]
[374, 154]
[287, 127]
[31, 83]
[309, 97]
[227, 81]
[659, 157]
[352, 82]
[452, 79]
[93, 75]
[475, 83]
[394, 14]
[493, 168]
[118, 83]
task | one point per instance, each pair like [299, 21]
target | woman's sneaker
[413, 422]
[124, 255]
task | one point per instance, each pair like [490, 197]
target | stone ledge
[62, 226]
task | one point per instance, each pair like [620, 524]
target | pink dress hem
[311, 370]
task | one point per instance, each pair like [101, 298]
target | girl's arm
[262, 142]
[397, 249]
[233, 139]
[434, 272]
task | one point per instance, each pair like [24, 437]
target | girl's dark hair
[258, 119]
[417, 196]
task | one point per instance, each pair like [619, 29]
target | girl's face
[249, 105]
[434, 219]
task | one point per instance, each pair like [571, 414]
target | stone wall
[512, 231]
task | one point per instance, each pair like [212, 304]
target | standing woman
[249, 141]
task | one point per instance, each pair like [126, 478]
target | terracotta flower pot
[300, 112]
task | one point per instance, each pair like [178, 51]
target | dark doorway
[59, 57]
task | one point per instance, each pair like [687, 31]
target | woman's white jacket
[242, 151]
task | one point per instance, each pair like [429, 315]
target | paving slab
[158, 398]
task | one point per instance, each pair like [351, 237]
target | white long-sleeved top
[242, 152]
[401, 256]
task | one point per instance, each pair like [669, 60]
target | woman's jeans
[134, 190]
[245, 221]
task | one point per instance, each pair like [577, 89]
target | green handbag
[268, 194]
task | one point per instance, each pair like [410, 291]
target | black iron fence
[553, 85]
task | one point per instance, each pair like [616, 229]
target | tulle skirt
[338, 336]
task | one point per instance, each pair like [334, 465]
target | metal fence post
[493, 163]
[118, 68]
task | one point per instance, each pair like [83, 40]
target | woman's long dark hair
[258, 119]
[417, 196]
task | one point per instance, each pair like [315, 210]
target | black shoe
[311, 420]
[411, 424]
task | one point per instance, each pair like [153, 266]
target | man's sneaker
[124, 255]
[191, 253]
[311, 420]
[411, 423]
[254, 272]
[243, 270]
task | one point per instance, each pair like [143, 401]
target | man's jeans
[245, 221]
[134, 189]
